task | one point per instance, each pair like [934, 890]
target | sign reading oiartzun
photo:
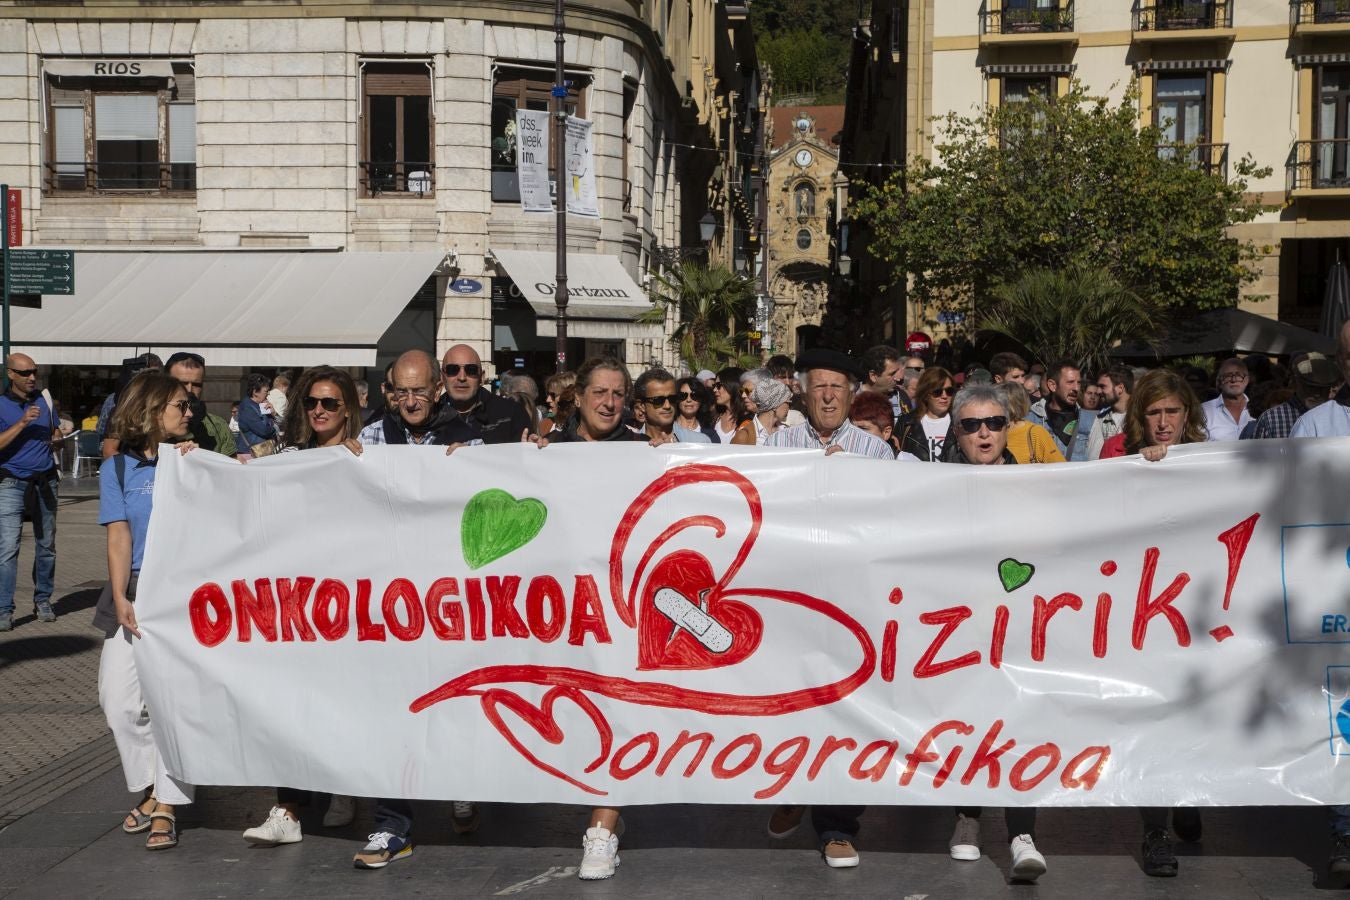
[41, 271]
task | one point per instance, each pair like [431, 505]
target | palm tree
[707, 301]
[1075, 313]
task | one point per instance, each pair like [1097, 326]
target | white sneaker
[1027, 863]
[600, 854]
[341, 811]
[965, 842]
[279, 828]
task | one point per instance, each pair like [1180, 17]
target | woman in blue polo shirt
[152, 409]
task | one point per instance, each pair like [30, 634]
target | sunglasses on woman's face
[686, 396]
[181, 405]
[993, 423]
[331, 404]
[945, 392]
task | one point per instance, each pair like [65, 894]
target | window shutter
[68, 128]
[182, 133]
[126, 117]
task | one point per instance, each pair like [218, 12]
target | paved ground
[62, 797]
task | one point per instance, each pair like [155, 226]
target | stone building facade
[247, 138]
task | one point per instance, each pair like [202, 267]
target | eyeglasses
[471, 370]
[715, 385]
[331, 404]
[993, 423]
[409, 394]
[914, 368]
[663, 400]
[181, 404]
[944, 392]
[24, 373]
[1234, 376]
[686, 396]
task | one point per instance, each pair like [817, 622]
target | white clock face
[803, 158]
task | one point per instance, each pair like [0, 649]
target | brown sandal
[171, 836]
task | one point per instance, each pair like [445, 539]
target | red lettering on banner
[1145, 609]
[1236, 540]
[445, 616]
[1018, 779]
[1041, 615]
[827, 747]
[292, 597]
[1099, 623]
[251, 609]
[502, 594]
[366, 630]
[209, 613]
[703, 739]
[588, 616]
[332, 616]
[888, 642]
[949, 619]
[860, 771]
[921, 754]
[985, 758]
[545, 608]
[1088, 780]
[473, 596]
[785, 769]
[1000, 636]
[621, 772]
[401, 589]
[753, 747]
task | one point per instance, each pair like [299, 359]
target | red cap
[918, 342]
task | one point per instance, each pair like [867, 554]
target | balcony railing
[1318, 165]
[120, 177]
[1212, 159]
[417, 178]
[1319, 12]
[1033, 18]
[1181, 15]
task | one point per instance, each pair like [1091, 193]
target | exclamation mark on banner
[1235, 540]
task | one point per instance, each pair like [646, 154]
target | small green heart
[495, 524]
[1014, 574]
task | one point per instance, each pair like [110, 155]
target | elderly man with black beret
[829, 381]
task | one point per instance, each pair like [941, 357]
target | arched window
[805, 197]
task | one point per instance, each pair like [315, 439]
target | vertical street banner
[532, 127]
[621, 624]
[579, 169]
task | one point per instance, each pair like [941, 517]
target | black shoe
[1338, 868]
[1186, 823]
[1159, 861]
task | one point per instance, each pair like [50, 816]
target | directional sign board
[42, 271]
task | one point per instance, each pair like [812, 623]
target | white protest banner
[624, 624]
[581, 200]
[532, 160]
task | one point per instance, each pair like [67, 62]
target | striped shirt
[847, 437]
[373, 434]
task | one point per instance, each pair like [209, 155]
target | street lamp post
[559, 146]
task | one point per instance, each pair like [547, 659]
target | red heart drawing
[540, 717]
[663, 645]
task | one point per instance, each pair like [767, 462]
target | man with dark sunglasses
[492, 419]
[28, 479]
[656, 402]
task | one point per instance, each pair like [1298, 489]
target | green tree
[1073, 313]
[708, 302]
[1054, 185]
[804, 61]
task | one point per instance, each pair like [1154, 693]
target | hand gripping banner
[618, 624]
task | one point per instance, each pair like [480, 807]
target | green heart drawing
[495, 524]
[1014, 574]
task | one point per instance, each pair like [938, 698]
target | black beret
[824, 358]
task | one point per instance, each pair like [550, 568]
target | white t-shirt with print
[935, 434]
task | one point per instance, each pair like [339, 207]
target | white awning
[602, 299]
[245, 308]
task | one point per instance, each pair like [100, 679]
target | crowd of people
[886, 405]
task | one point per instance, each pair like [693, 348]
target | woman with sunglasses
[980, 414]
[694, 412]
[730, 411]
[322, 410]
[925, 432]
[151, 410]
